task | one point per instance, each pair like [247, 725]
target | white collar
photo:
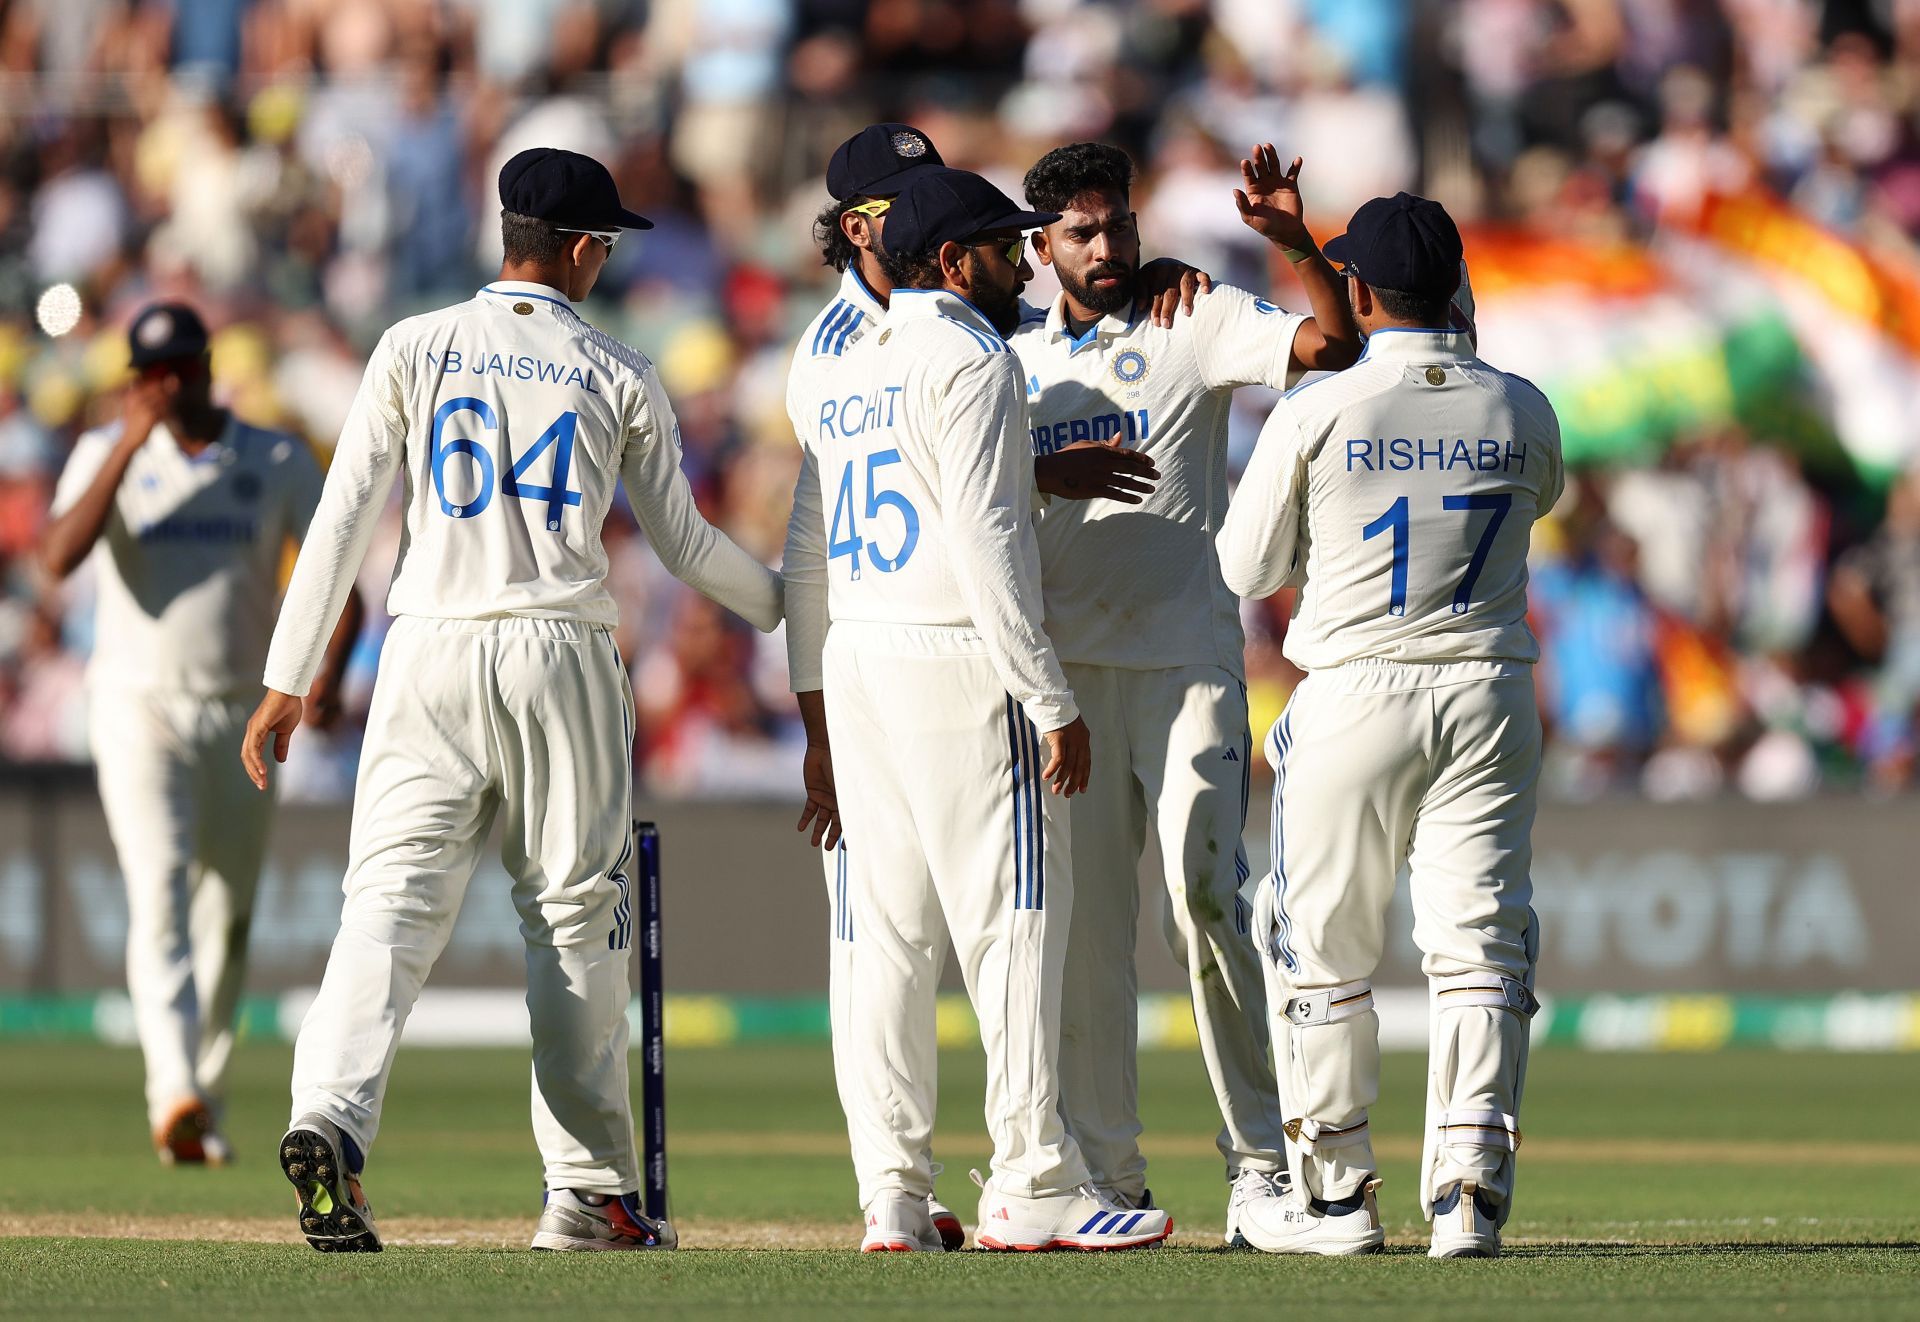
[1414, 344]
[1109, 325]
[909, 303]
[529, 289]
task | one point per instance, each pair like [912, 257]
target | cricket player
[864, 175]
[1150, 637]
[1402, 492]
[501, 696]
[185, 511]
[955, 732]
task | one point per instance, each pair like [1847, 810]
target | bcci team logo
[908, 145]
[1130, 366]
[246, 486]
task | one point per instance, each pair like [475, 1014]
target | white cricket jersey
[1406, 487]
[512, 419]
[189, 560]
[915, 500]
[1139, 586]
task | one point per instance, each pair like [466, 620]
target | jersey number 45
[877, 498]
[558, 437]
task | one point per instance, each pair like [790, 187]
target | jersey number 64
[558, 437]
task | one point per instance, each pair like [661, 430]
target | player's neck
[196, 429]
[553, 276]
[867, 271]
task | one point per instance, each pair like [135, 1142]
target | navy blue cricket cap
[1402, 242]
[567, 190]
[879, 160]
[164, 333]
[944, 204]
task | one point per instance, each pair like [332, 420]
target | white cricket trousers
[951, 835]
[1380, 765]
[1170, 758]
[529, 722]
[191, 831]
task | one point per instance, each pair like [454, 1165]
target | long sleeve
[986, 499]
[1260, 536]
[803, 570]
[693, 550]
[364, 464]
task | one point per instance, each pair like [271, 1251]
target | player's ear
[954, 270]
[1043, 247]
[858, 230]
[581, 243]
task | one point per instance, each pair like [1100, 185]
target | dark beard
[1102, 301]
[1001, 308]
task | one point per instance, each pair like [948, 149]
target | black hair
[836, 249]
[1414, 309]
[1073, 171]
[911, 270]
[529, 241]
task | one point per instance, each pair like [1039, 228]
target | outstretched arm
[1271, 206]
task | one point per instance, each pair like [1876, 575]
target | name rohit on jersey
[1132, 426]
[513, 367]
[857, 414]
[1401, 455]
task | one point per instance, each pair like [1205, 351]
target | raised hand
[1270, 202]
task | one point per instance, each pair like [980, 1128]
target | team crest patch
[524, 309]
[246, 486]
[908, 145]
[156, 330]
[1130, 366]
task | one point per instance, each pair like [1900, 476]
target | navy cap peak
[943, 205]
[567, 190]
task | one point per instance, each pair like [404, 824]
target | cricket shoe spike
[1086, 1218]
[1464, 1223]
[181, 1138]
[577, 1222]
[322, 1163]
[1250, 1187]
[898, 1222]
[1298, 1224]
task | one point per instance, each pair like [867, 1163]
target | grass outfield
[1708, 1186]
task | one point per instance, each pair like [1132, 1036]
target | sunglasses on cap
[879, 206]
[608, 237]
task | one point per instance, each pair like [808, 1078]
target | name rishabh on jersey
[916, 497]
[1138, 586]
[189, 561]
[514, 420]
[1406, 487]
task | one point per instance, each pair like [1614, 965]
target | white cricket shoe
[953, 1235]
[575, 1222]
[1463, 1223]
[322, 1163]
[1086, 1218]
[1249, 1187]
[1298, 1224]
[897, 1222]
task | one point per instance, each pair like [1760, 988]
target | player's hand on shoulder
[1168, 287]
[277, 715]
[1069, 758]
[822, 811]
[1270, 203]
[1096, 470]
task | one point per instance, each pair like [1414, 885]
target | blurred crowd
[1736, 618]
